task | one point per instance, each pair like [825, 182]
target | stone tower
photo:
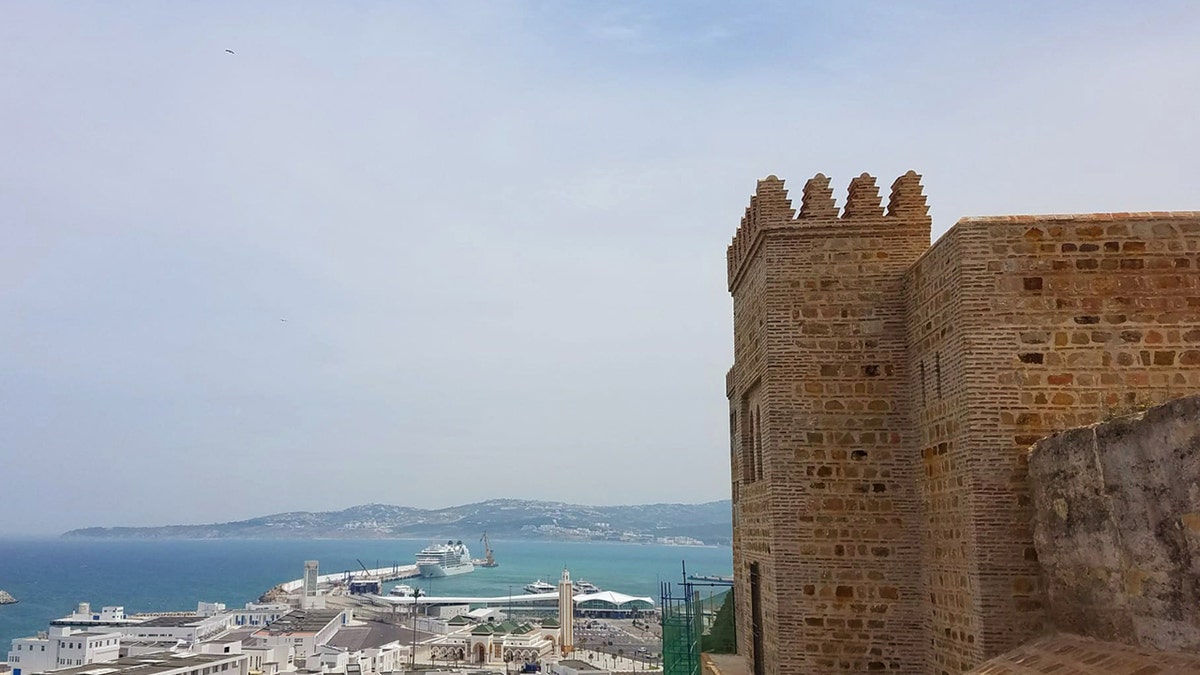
[312, 598]
[884, 397]
[566, 614]
[826, 546]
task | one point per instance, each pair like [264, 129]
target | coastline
[51, 576]
[69, 537]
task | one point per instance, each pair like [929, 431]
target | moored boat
[540, 586]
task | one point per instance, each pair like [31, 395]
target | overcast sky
[496, 231]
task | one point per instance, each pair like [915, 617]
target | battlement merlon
[771, 209]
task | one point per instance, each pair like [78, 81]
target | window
[758, 456]
[733, 444]
[751, 451]
[752, 441]
[747, 444]
[937, 364]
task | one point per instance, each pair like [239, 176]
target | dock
[711, 579]
[392, 573]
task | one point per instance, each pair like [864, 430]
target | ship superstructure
[444, 560]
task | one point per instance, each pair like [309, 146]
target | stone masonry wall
[938, 384]
[753, 526]
[1066, 319]
[884, 396]
[1118, 527]
[829, 395]
[1032, 325]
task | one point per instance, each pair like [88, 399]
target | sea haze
[49, 576]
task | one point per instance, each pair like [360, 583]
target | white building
[85, 617]
[303, 631]
[269, 660]
[168, 663]
[369, 648]
[258, 615]
[63, 647]
[508, 643]
[209, 608]
[187, 628]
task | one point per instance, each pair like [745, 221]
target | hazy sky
[496, 231]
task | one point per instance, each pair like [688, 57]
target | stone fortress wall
[1117, 532]
[884, 395]
[1118, 527]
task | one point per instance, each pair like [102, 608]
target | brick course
[883, 396]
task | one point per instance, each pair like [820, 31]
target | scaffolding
[682, 625]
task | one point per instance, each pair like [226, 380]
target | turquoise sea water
[49, 576]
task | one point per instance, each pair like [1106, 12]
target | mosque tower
[566, 614]
[312, 596]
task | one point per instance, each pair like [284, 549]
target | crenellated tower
[882, 402]
[827, 545]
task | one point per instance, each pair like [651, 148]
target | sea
[49, 577]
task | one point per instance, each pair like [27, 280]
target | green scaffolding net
[682, 625]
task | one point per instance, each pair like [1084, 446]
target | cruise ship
[444, 560]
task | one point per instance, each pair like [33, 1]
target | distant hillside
[708, 523]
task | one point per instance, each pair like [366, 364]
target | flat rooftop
[371, 635]
[147, 664]
[242, 633]
[576, 664]
[172, 621]
[302, 621]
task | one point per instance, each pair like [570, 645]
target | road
[619, 637]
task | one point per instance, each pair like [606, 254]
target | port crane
[488, 559]
[366, 572]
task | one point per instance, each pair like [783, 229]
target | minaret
[566, 614]
[312, 597]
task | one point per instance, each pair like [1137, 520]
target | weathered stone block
[1116, 527]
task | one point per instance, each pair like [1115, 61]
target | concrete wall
[1118, 527]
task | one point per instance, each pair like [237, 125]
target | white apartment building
[368, 648]
[187, 628]
[266, 660]
[167, 663]
[303, 630]
[258, 614]
[85, 617]
[63, 647]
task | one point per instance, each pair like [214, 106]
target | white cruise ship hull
[437, 570]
